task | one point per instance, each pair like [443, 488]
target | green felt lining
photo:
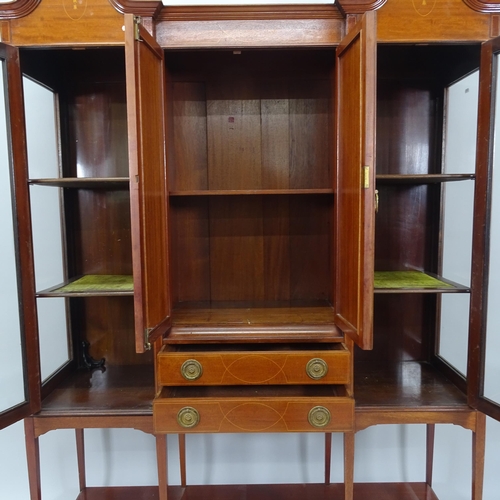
[99, 283]
[407, 279]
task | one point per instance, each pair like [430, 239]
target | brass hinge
[137, 22]
[147, 343]
[366, 177]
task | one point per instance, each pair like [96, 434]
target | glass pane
[460, 131]
[12, 390]
[41, 130]
[47, 223]
[492, 365]
[460, 126]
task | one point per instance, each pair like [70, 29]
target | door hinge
[137, 22]
[147, 343]
[366, 177]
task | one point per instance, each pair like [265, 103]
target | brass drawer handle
[319, 416]
[191, 369]
[188, 417]
[317, 368]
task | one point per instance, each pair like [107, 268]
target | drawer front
[253, 415]
[252, 368]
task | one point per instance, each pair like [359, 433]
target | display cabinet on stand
[252, 219]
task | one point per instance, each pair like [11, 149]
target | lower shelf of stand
[117, 390]
[362, 491]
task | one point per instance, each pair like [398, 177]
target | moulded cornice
[483, 5]
[17, 9]
[156, 10]
[360, 6]
[147, 8]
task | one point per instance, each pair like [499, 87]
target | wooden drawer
[253, 409]
[258, 364]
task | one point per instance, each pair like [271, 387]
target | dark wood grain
[22, 238]
[355, 187]
[481, 237]
[190, 249]
[117, 391]
[381, 491]
[148, 193]
[188, 169]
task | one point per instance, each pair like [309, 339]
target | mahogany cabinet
[207, 240]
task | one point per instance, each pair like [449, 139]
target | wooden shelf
[254, 324]
[407, 386]
[422, 178]
[117, 390]
[247, 192]
[92, 285]
[84, 182]
[414, 282]
[362, 491]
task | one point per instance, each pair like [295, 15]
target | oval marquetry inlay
[424, 7]
[253, 417]
[75, 9]
[254, 369]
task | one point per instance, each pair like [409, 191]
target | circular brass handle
[319, 416]
[188, 417]
[317, 368]
[191, 369]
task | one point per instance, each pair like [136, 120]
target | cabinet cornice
[18, 9]
[483, 5]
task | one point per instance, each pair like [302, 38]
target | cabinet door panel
[355, 181]
[19, 362]
[484, 339]
[145, 73]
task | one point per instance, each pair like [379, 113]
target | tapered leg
[80, 453]
[328, 456]
[161, 458]
[182, 457]
[348, 465]
[33, 458]
[478, 449]
[429, 453]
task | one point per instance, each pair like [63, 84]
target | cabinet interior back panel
[243, 127]
[251, 248]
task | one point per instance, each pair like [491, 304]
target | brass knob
[188, 417]
[191, 369]
[319, 416]
[316, 368]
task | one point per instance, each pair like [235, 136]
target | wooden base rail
[36, 426]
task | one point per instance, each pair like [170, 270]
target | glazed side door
[19, 357]
[355, 100]
[145, 75]
[484, 335]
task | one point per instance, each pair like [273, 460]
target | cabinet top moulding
[159, 12]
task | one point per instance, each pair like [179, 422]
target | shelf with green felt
[414, 282]
[92, 285]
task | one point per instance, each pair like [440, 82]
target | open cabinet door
[483, 372]
[145, 74]
[19, 356]
[355, 181]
